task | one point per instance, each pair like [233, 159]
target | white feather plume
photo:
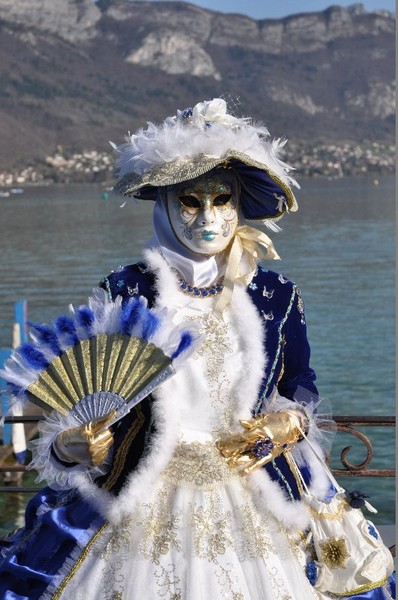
[208, 129]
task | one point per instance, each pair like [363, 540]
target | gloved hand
[264, 438]
[86, 444]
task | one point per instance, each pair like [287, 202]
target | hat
[198, 140]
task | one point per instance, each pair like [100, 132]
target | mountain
[77, 74]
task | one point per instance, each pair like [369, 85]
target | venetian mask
[204, 212]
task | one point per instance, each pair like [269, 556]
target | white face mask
[204, 213]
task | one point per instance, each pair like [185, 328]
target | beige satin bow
[247, 239]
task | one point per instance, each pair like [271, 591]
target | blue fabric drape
[56, 523]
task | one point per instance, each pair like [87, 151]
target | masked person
[200, 495]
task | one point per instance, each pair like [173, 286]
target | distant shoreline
[330, 161]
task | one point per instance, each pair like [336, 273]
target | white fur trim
[269, 497]
[166, 281]
[243, 314]
[251, 331]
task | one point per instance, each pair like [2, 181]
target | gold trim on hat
[171, 173]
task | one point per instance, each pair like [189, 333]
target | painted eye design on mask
[222, 200]
[189, 201]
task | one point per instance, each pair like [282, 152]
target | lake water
[57, 242]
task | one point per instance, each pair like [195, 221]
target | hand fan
[104, 356]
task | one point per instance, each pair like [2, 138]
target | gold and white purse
[348, 554]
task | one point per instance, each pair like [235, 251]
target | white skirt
[200, 537]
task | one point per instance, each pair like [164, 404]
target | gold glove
[264, 438]
[86, 444]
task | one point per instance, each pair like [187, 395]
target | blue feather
[47, 337]
[185, 342]
[151, 323]
[13, 389]
[33, 357]
[131, 314]
[64, 325]
[85, 318]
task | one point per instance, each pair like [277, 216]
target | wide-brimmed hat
[198, 140]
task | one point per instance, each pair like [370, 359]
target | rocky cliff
[75, 73]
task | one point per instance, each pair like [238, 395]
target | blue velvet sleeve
[133, 280]
[296, 353]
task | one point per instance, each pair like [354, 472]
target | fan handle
[166, 374]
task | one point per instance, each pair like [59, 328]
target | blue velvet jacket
[280, 305]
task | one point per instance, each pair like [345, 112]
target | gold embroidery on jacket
[123, 449]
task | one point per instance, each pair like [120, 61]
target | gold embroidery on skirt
[78, 563]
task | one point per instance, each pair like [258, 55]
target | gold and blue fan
[104, 356]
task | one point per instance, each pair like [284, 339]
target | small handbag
[348, 554]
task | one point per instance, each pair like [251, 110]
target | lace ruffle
[50, 470]
[321, 427]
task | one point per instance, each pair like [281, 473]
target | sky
[276, 9]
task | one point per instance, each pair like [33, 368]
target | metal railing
[349, 424]
[7, 468]
[346, 424]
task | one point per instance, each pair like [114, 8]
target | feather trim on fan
[106, 355]
[48, 468]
